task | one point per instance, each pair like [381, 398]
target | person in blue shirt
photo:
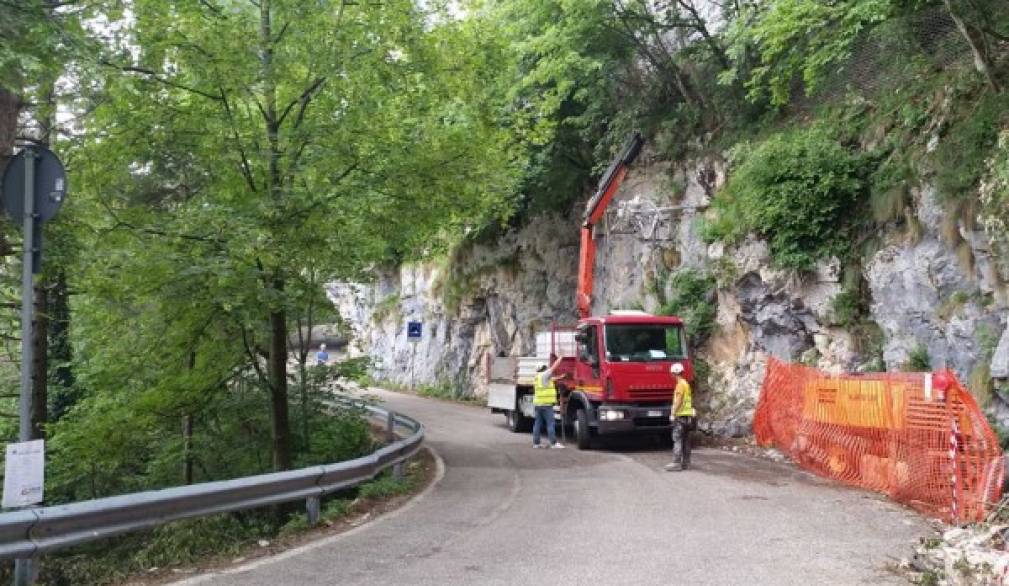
[321, 357]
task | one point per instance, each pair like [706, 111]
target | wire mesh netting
[889, 56]
[917, 437]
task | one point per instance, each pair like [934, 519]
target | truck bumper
[635, 419]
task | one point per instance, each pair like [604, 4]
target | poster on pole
[23, 474]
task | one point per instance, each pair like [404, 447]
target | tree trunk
[187, 437]
[304, 347]
[10, 108]
[278, 317]
[702, 27]
[978, 45]
[278, 386]
[40, 344]
[59, 346]
[187, 449]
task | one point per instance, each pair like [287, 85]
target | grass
[952, 305]
[968, 140]
[440, 390]
[386, 308]
[387, 485]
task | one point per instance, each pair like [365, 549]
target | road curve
[507, 514]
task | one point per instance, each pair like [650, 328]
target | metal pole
[413, 354]
[313, 507]
[24, 570]
[390, 431]
[25, 429]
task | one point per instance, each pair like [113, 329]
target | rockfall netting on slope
[918, 437]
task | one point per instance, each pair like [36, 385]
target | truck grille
[645, 394]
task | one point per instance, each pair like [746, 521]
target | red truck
[615, 368]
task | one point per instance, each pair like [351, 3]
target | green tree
[240, 156]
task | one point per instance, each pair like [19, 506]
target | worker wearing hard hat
[682, 418]
[544, 399]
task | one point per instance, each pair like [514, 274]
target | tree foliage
[803, 40]
[236, 157]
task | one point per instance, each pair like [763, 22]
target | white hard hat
[676, 368]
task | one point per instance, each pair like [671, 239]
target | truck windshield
[644, 342]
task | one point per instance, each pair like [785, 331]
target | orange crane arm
[594, 210]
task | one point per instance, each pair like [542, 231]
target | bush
[847, 307]
[337, 434]
[798, 190]
[919, 360]
[690, 298]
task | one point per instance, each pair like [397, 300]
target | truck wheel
[517, 422]
[583, 435]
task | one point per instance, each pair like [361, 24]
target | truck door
[587, 368]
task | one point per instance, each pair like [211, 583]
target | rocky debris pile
[962, 556]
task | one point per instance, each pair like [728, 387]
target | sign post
[32, 190]
[27, 292]
[414, 331]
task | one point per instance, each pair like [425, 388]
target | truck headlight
[611, 415]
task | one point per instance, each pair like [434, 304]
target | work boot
[538, 446]
[557, 445]
[674, 467]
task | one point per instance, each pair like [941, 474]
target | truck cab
[619, 380]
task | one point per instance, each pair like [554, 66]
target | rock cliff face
[934, 292]
[488, 299]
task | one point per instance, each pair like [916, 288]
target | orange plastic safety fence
[919, 438]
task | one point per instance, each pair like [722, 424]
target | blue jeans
[545, 415]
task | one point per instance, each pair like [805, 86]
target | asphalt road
[504, 513]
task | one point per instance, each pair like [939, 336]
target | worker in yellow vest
[544, 399]
[682, 418]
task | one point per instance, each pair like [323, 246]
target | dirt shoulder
[421, 471]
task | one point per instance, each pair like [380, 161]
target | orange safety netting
[919, 438]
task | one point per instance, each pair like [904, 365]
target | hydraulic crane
[594, 210]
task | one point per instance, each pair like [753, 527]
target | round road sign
[50, 184]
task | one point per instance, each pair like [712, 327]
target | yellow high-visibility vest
[686, 407]
[543, 395]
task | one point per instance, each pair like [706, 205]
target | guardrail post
[397, 471]
[313, 508]
[25, 571]
[390, 434]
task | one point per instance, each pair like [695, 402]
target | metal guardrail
[32, 532]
